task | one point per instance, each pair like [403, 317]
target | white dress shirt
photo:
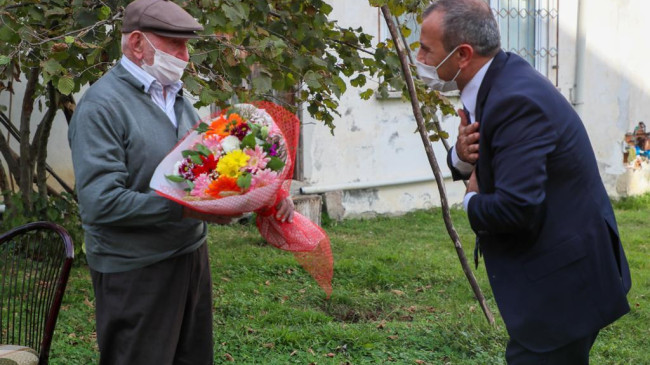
[155, 89]
[468, 98]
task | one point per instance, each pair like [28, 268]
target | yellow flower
[232, 163]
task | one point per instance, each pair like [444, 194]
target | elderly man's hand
[285, 210]
[212, 218]
[467, 142]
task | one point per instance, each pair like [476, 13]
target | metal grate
[530, 28]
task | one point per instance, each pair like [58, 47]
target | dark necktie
[476, 245]
[469, 116]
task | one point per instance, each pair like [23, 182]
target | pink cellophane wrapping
[309, 243]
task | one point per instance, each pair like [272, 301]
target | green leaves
[236, 11]
[193, 155]
[65, 85]
[262, 83]
[252, 49]
[249, 141]
[275, 164]
[175, 178]
[244, 180]
[52, 67]
[203, 150]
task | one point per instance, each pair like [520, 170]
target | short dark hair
[467, 21]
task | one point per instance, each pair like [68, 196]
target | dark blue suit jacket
[542, 218]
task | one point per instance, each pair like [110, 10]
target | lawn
[400, 297]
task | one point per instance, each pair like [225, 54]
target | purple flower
[273, 151]
[240, 130]
[185, 169]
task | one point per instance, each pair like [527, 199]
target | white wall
[58, 150]
[373, 144]
[617, 82]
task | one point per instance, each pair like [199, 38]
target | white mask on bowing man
[429, 74]
[166, 68]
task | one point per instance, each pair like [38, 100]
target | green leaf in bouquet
[275, 164]
[264, 132]
[193, 155]
[255, 128]
[175, 178]
[248, 141]
[196, 159]
[203, 150]
[202, 128]
[244, 180]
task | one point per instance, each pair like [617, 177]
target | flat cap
[162, 17]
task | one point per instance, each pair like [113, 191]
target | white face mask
[429, 74]
[167, 69]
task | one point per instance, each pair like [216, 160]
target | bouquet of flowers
[239, 161]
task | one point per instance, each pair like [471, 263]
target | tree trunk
[68, 105]
[39, 145]
[26, 164]
[434, 165]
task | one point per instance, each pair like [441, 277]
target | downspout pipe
[577, 97]
[320, 189]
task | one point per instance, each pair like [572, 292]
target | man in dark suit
[535, 199]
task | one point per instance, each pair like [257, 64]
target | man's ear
[136, 43]
[465, 55]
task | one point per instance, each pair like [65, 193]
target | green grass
[400, 297]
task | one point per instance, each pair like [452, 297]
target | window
[530, 29]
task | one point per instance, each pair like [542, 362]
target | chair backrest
[35, 262]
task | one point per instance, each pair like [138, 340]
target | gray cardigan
[118, 135]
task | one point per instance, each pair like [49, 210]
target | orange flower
[236, 118]
[219, 127]
[222, 126]
[222, 187]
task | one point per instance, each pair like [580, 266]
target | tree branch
[436, 123]
[8, 154]
[12, 158]
[434, 165]
[41, 137]
[68, 105]
[26, 164]
[4, 185]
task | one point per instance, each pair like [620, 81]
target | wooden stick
[434, 164]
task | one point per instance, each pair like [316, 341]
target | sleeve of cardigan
[98, 158]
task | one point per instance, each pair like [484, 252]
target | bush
[61, 210]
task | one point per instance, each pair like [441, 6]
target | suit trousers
[157, 315]
[575, 353]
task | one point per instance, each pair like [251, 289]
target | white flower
[177, 167]
[230, 144]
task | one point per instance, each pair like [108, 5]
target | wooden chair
[35, 262]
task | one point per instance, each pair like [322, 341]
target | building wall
[617, 79]
[58, 150]
[374, 141]
[374, 152]
[379, 162]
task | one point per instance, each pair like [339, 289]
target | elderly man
[147, 255]
[535, 199]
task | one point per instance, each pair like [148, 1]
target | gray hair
[125, 40]
[467, 21]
